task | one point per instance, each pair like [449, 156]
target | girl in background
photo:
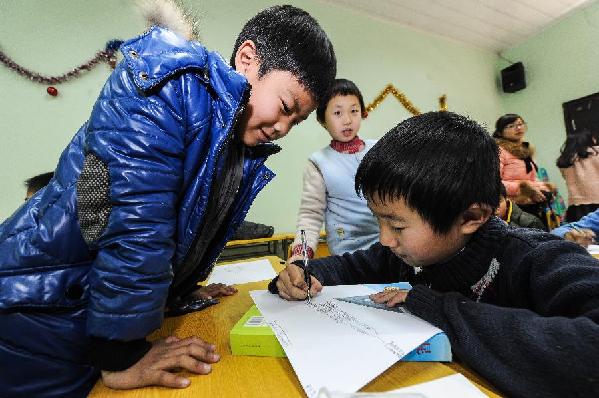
[579, 165]
[329, 193]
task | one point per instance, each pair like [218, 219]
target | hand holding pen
[296, 281]
[307, 275]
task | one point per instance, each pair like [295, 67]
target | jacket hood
[158, 54]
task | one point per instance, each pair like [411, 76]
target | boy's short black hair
[39, 181]
[439, 163]
[340, 87]
[503, 121]
[502, 191]
[289, 39]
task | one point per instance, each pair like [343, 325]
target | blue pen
[307, 276]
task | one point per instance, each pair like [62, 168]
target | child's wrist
[116, 355]
[425, 303]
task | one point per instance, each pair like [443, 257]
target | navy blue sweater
[535, 330]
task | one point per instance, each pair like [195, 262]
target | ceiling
[493, 25]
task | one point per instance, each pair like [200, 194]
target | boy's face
[501, 211]
[411, 238]
[342, 117]
[277, 102]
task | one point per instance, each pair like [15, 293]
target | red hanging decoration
[53, 91]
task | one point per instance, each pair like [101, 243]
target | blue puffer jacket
[131, 190]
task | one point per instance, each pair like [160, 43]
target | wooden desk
[244, 376]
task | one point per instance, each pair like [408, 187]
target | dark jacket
[130, 193]
[535, 330]
[520, 218]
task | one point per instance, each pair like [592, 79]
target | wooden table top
[245, 376]
[289, 236]
[275, 237]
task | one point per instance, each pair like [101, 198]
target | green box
[251, 335]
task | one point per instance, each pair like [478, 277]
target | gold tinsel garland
[401, 97]
[443, 103]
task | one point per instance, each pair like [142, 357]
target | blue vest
[349, 223]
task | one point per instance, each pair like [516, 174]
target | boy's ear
[246, 58]
[474, 217]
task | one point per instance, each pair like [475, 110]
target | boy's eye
[286, 109]
[398, 229]
[337, 113]
[354, 111]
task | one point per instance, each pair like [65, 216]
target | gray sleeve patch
[93, 198]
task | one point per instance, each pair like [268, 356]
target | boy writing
[520, 306]
[142, 202]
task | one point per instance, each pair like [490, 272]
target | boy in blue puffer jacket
[142, 202]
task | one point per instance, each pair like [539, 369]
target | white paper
[238, 273]
[593, 249]
[337, 344]
[456, 385]
[453, 386]
[324, 393]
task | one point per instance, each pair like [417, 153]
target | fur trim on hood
[167, 14]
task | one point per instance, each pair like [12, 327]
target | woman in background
[517, 167]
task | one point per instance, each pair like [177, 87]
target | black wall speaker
[512, 78]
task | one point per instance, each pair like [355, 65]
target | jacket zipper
[243, 207]
[240, 109]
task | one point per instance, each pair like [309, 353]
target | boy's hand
[584, 237]
[392, 297]
[157, 367]
[531, 190]
[214, 290]
[291, 283]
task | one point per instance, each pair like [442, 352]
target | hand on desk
[157, 366]
[392, 297]
[214, 290]
[584, 237]
[291, 283]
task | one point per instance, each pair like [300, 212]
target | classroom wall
[52, 36]
[561, 64]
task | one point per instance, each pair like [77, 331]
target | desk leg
[276, 247]
[285, 246]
